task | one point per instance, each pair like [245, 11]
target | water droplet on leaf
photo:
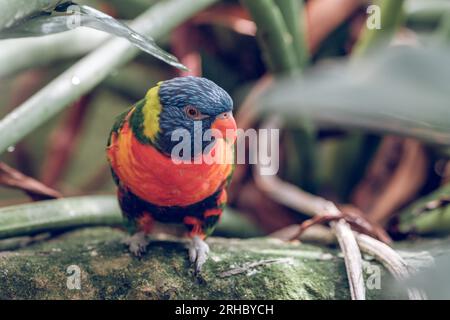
[75, 80]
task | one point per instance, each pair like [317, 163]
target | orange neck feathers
[155, 178]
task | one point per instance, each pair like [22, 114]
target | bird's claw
[198, 253]
[137, 243]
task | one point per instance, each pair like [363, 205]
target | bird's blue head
[191, 103]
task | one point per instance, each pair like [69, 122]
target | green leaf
[51, 215]
[391, 16]
[292, 11]
[13, 12]
[273, 35]
[428, 215]
[401, 91]
[69, 16]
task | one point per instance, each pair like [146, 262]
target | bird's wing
[117, 126]
[118, 123]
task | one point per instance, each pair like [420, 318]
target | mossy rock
[280, 270]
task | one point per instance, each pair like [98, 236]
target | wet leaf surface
[68, 16]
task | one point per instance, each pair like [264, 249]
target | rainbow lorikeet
[152, 185]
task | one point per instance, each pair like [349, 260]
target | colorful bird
[156, 184]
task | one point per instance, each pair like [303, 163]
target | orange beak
[226, 126]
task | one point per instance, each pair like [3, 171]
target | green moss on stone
[108, 271]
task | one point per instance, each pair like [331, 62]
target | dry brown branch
[23, 87]
[382, 252]
[350, 245]
[297, 199]
[391, 260]
[63, 141]
[352, 257]
[357, 222]
[378, 174]
[396, 174]
[446, 174]
[324, 16]
[317, 234]
[360, 223]
[12, 178]
[231, 16]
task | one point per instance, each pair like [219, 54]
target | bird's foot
[137, 243]
[198, 253]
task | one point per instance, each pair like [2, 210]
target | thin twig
[247, 267]
[12, 178]
[316, 234]
[22, 242]
[356, 220]
[352, 258]
[320, 219]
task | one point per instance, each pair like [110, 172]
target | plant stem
[47, 50]
[391, 16]
[91, 70]
[51, 215]
[291, 10]
[273, 35]
[68, 213]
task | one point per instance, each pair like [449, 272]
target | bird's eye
[193, 113]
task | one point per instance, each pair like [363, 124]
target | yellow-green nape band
[151, 112]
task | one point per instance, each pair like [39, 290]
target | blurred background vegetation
[367, 112]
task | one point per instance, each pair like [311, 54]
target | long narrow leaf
[292, 11]
[15, 11]
[402, 91]
[70, 15]
[46, 50]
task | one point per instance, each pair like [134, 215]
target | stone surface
[258, 268]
